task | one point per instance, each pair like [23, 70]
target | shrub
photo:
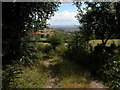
[44, 48]
[56, 39]
[29, 53]
[60, 50]
[47, 49]
[97, 59]
[109, 72]
[78, 49]
[100, 56]
[40, 47]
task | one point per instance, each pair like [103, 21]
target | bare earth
[96, 84]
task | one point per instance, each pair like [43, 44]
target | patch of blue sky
[67, 6]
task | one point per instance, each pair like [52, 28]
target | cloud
[64, 18]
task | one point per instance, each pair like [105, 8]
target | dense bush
[56, 39]
[106, 67]
[97, 59]
[78, 49]
[109, 72]
[28, 53]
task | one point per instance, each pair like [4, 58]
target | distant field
[95, 42]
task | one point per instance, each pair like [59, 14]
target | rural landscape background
[61, 45]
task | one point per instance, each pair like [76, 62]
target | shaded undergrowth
[71, 76]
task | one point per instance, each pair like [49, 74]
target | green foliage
[31, 77]
[18, 22]
[44, 48]
[28, 53]
[109, 72]
[47, 49]
[40, 46]
[60, 50]
[9, 75]
[78, 49]
[69, 75]
[100, 19]
[97, 59]
[56, 39]
[119, 49]
[106, 67]
[74, 82]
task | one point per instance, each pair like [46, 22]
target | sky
[65, 15]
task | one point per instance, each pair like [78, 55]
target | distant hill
[68, 28]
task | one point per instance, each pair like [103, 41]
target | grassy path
[68, 82]
[52, 79]
[55, 73]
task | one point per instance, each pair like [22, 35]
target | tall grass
[71, 75]
[31, 77]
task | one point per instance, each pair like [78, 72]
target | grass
[31, 77]
[43, 43]
[71, 75]
[95, 42]
[74, 81]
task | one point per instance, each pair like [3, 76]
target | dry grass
[95, 42]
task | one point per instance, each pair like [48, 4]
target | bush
[97, 59]
[56, 39]
[44, 48]
[40, 47]
[78, 49]
[29, 53]
[106, 67]
[47, 49]
[110, 72]
[60, 50]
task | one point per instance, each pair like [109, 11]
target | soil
[96, 84]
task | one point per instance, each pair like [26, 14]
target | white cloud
[64, 18]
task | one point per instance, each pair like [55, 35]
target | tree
[100, 19]
[18, 19]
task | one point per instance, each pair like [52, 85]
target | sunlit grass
[95, 42]
[31, 77]
[74, 81]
